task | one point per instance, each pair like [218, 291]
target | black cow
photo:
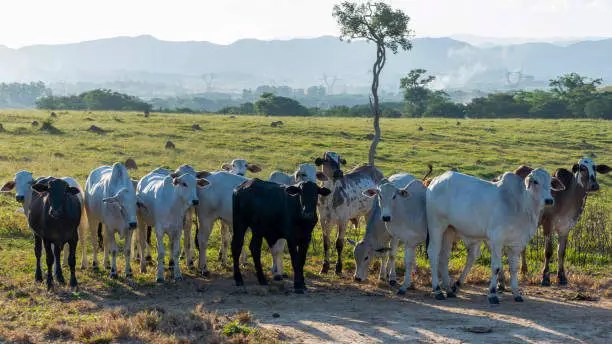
[273, 212]
[54, 215]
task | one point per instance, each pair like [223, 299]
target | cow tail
[100, 236]
[427, 244]
[149, 235]
[429, 170]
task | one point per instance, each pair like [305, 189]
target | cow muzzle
[338, 174]
[132, 225]
[195, 202]
[55, 213]
[386, 218]
[549, 201]
[19, 198]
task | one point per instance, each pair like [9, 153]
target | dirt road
[345, 312]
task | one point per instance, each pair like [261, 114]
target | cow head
[364, 254]
[585, 172]
[539, 183]
[387, 195]
[22, 183]
[308, 194]
[308, 173]
[240, 166]
[186, 186]
[122, 206]
[56, 192]
[330, 165]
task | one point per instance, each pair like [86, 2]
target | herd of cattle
[503, 213]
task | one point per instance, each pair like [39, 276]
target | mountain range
[191, 67]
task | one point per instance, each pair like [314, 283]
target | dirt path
[349, 313]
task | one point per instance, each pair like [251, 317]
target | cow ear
[319, 161]
[202, 182]
[602, 169]
[73, 190]
[226, 167]
[173, 174]
[40, 187]
[324, 192]
[370, 192]
[404, 193]
[321, 176]
[175, 181]
[10, 185]
[292, 190]
[342, 161]
[575, 168]
[556, 184]
[202, 174]
[253, 168]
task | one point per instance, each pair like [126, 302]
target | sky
[28, 22]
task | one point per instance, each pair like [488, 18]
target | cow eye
[184, 184]
[535, 182]
[366, 258]
[394, 196]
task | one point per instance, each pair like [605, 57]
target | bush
[600, 107]
[269, 104]
[94, 100]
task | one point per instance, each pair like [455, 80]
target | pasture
[335, 309]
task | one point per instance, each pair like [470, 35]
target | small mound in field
[146, 113]
[196, 127]
[130, 164]
[232, 116]
[458, 123]
[89, 119]
[53, 114]
[1, 128]
[50, 128]
[35, 123]
[421, 129]
[58, 155]
[369, 136]
[276, 124]
[170, 145]
[96, 129]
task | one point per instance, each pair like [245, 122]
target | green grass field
[483, 148]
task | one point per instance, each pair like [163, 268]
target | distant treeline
[20, 95]
[100, 99]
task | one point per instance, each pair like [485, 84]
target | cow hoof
[178, 278]
[60, 280]
[451, 294]
[285, 275]
[73, 283]
[494, 300]
[160, 280]
[143, 270]
[338, 269]
[129, 275]
[49, 286]
[546, 282]
[299, 290]
[113, 274]
[38, 277]
[401, 291]
[455, 288]
[149, 259]
[393, 283]
[278, 277]
[205, 273]
[440, 296]
[501, 288]
[325, 268]
[518, 298]
[563, 281]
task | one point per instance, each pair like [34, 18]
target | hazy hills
[297, 63]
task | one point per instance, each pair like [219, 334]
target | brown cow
[566, 211]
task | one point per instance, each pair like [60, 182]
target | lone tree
[379, 23]
[416, 93]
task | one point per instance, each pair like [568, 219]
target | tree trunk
[374, 104]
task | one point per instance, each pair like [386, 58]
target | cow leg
[562, 280]
[226, 238]
[277, 259]
[433, 252]
[175, 242]
[237, 243]
[109, 242]
[473, 249]
[82, 232]
[340, 246]
[513, 262]
[326, 229]
[408, 260]
[187, 239]
[524, 268]
[255, 247]
[127, 250]
[38, 252]
[299, 284]
[501, 277]
[49, 257]
[112, 247]
[72, 263]
[548, 250]
[141, 243]
[66, 253]
[391, 262]
[161, 252]
[57, 253]
[496, 265]
[202, 237]
[447, 244]
[93, 239]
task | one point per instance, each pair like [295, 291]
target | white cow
[22, 184]
[304, 172]
[110, 201]
[401, 200]
[240, 166]
[163, 199]
[505, 213]
[346, 201]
